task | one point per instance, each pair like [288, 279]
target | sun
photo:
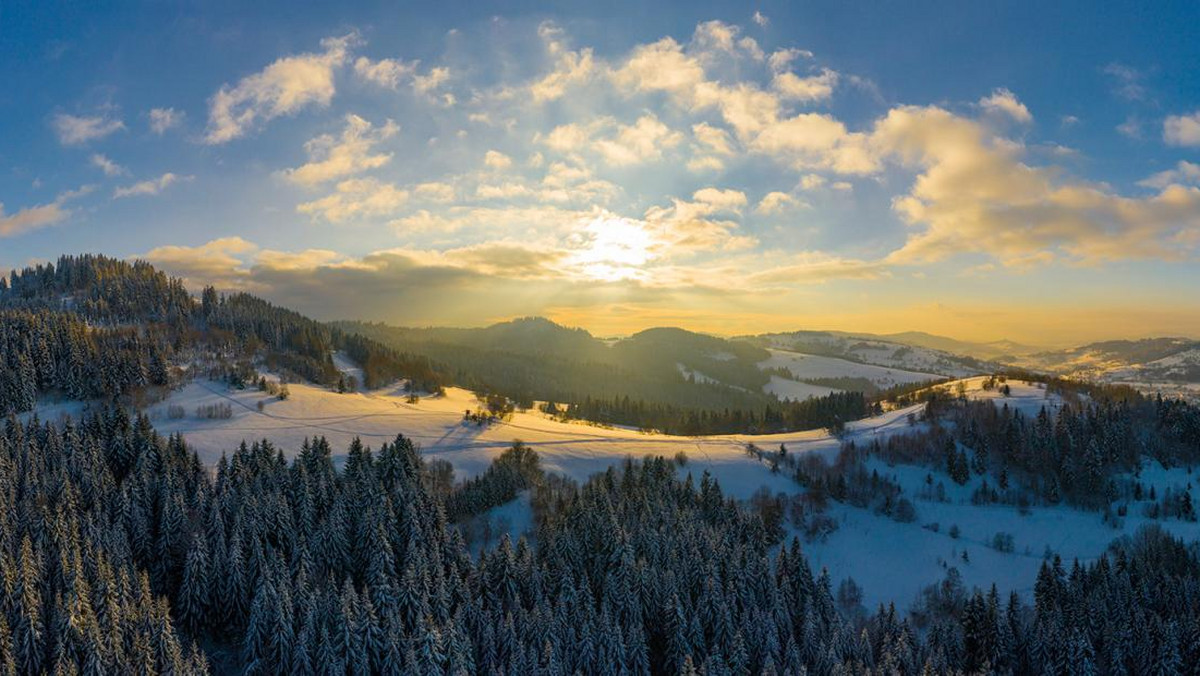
[613, 249]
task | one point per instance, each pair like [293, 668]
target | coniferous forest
[120, 553]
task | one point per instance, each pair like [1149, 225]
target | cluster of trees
[121, 553]
[102, 289]
[1072, 453]
[516, 469]
[41, 351]
[91, 326]
[828, 411]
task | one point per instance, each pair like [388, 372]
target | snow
[436, 424]
[893, 561]
[1026, 397]
[786, 388]
[698, 376]
[343, 363]
[884, 353]
[808, 366]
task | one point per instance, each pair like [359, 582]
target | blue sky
[998, 170]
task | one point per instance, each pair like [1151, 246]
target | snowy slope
[786, 388]
[808, 366]
[875, 351]
[436, 423]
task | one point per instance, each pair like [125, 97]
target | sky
[1020, 170]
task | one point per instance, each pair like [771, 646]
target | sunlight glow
[613, 249]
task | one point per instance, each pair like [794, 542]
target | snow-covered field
[807, 366]
[875, 351]
[436, 423]
[786, 388]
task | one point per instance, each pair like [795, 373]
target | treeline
[832, 411]
[102, 289]
[120, 553]
[92, 326]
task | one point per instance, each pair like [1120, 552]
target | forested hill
[90, 326]
[535, 359]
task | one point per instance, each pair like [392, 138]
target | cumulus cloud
[495, 159]
[285, 87]
[809, 89]
[1184, 173]
[818, 141]
[73, 130]
[617, 144]
[389, 73]
[106, 165]
[394, 73]
[1004, 102]
[337, 157]
[1182, 130]
[40, 215]
[216, 263]
[974, 194]
[776, 202]
[706, 223]
[149, 187]
[164, 119]
[357, 198]
[570, 68]
[1131, 128]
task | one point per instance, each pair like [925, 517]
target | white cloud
[74, 130]
[705, 163]
[1127, 81]
[805, 89]
[571, 68]
[1182, 130]
[106, 165]
[337, 157]
[1184, 173]
[1004, 102]
[812, 181]
[617, 144]
[974, 193]
[434, 191]
[1131, 128]
[760, 19]
[818, 141]
[163, 119]
[497, 160]
[776, 202]
[392, 73]
[642, 141]
[149, 187]
[285, 87]
[389, 73]
[38, 216]
[357, 198]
